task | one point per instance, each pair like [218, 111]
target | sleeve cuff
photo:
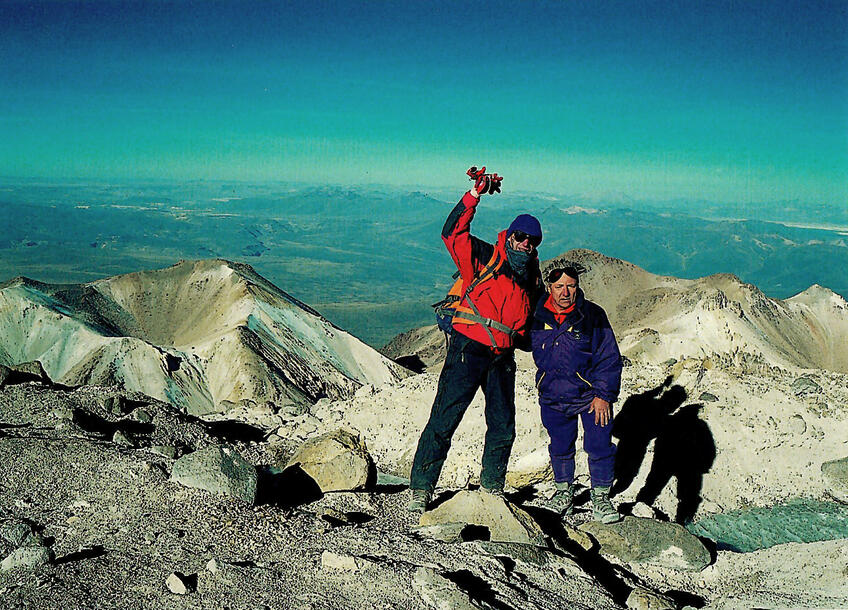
[470, 200]
[605, 396]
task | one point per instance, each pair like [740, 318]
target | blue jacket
[576, 360]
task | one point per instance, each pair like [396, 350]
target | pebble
[176, 584]
[332, 561]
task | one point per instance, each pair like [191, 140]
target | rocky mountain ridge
[202, 335]
[657, 318]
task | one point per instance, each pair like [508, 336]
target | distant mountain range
[372, 259]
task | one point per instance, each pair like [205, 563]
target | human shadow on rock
[684, 449]
[618, 580]
[637, 423]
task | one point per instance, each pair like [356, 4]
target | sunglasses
[573, 272]
[521, 236]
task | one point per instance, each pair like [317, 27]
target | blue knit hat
[526, 224]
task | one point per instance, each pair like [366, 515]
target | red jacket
[500, 298]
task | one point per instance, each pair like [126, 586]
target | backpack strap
[486, 273]
[486, 322]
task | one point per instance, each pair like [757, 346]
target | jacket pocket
[583, 379]
[540, 379]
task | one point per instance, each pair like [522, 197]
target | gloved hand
[484, 183]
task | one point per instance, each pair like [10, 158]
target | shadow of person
[684, 449]
[638, 422]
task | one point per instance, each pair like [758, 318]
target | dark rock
[659, 543]
[15, 532]
[804, 386]
[708, 397]
[220, 470]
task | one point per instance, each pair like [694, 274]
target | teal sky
[736, 101]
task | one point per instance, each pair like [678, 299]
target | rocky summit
[195, 438]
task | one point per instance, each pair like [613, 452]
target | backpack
[449, 308]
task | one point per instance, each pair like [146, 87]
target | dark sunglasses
[520, 236]
[573, 272]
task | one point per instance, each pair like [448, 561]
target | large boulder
[805, 385]
[530, 469]
[638, 540]
[835, 474]
[220, 470]
[336, 461]
[505, 522]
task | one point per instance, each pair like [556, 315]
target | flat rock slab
[505, 522]
[638, 540]
[336, 461]
[835, 474]
[220, 470]
[761, 527]
[444, 532]
[342, 563]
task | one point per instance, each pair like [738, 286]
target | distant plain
[371, 259]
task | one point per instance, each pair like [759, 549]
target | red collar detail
[559, 315]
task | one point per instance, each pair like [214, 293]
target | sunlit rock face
[202, 335]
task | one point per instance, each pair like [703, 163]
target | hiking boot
[602, 508]
[495, 491]
[563, 499]
[419, 500]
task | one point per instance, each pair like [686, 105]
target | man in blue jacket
[579, 375]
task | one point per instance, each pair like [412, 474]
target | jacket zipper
[540, 379]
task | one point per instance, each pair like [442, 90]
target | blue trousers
[597, 442]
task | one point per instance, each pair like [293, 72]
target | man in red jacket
[501, 283]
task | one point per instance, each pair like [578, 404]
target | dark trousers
[562, 428]
[469, 365]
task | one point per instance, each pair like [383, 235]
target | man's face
[522, 242]
[564, 291]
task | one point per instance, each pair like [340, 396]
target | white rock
[176, 584]
[640, 509]
[343, 563]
